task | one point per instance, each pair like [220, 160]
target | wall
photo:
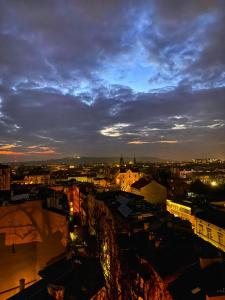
[181, 211]
[73, 196]
[205, 230]
[29, 238]
[104, 224]
[37, 179]
[210, 233]
[153, 192]
[4, 178]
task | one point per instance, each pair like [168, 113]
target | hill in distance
[89, 160]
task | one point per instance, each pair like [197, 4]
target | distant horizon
[126, 157]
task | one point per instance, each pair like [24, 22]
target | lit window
[200, 228]
[209, 233]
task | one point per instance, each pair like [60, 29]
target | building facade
[30, 237]
[125, 179]
[180, 210]
[4, 178]
[210, 232]
[37, 179]
[126, 275]
[209, 225]
[152, 191]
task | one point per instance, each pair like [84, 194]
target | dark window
[220, 238]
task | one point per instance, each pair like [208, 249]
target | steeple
[134, 161]
[121, 161]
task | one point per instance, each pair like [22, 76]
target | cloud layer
[105, 77]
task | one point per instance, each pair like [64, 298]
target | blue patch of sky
[141, 72]
[135, 68]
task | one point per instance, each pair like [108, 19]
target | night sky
[105, 77]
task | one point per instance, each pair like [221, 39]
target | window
[209, 233]
[141, 283]
[200, 228]
[220, 238]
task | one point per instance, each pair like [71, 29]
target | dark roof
[18, 177]
[112, 195]
[36, 291]
[214, 279]
[188, 285]
[38, 173]
[81, 277]
[213, 216]
[4, 166]
[140, 183]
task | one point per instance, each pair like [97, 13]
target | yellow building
[152, 191]
[37, 179]
[210, 227]
[125, 179]
[180, 210]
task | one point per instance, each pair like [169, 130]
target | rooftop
[188, 285]
[140, 183]
[214, 280]
[213, 216]
[81, 277]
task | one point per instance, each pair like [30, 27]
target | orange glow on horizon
[8, 152]
[5, 150]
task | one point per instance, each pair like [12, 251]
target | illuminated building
[99, 181]
[213, 178]
[75, 192]
[125, 179]
[184, 173]
[181, 210]
[210, 226]
[4, 178]
[102, 182]
[37, 179]
[30, 237]
[152, 191]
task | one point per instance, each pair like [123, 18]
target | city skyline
[102, 78]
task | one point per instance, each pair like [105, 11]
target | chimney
[22, 284]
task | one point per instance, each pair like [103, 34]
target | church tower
[121, 161]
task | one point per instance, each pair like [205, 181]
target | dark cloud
[68, 73]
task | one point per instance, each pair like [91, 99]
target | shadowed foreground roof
[81, 277]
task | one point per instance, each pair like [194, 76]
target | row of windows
[179, 209]
[209, 233]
